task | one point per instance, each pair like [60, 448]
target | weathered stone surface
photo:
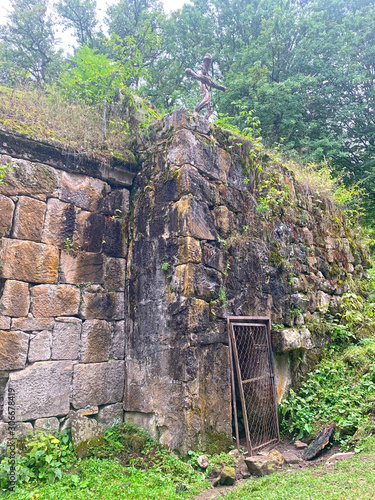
[31, 324]
[198, 281]
[6, 215]
[228, 476]
[290, 339]
[3, 439]
[300, 445]
[291, 458]
[111, 415]
[203, 461]
[81, 267]
[23, 429]
[323, 301]
[114, 241]
[89, 231]
[54, 300]
[190, 181]
[28, 219]
[261, 465]
[29, 178]
[5, 323]
[197, 315]
[66, 338]
[276, 455]
[29, 261]
[95, 341]
[114, 274]
[85, 192]
[116, 203]
[192, 218]
[59, 223]
[98, 383]
[224, 220]
[102, 305]
[300, 301]
[40, 346]
[42, 390]
[50, 425]
[118, 340]
[189, 250]
[85, 432]
[15, 300]
[13, 350]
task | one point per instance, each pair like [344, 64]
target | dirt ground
[285, 446]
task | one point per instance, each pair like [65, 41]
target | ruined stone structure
[111, 308]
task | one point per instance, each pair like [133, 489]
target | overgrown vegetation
[341, 389]
[129, 463]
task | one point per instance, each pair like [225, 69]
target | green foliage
[27, 47]
[79, 15]
[41, 458]
[165, 266]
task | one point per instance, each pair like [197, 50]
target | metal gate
[252, 365]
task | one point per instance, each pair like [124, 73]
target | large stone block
[82, 267]
[31, 324]
[192, 218]
[224, 220]
[198, 281]
[89, 231]
[49, 301]
[98, 383]
[323, 301]
[28, 219]
[15, 300]
[40, 346]
[95, 341]
[189, 250]
[27, 178]
[85, 192]
[59, 223]
[85, 432]
[118, 340]
[102, 305]
[29, 261]
[42, 390]
[6, 215]
[114, 242]
[111, 415]
[115, 203]
[66, 338]
[13, 350]
[290, 339]
[114, 274]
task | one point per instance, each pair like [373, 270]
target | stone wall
[220, 230]
[215, 227]
[62, 254]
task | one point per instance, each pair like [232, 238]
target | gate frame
[233, 353]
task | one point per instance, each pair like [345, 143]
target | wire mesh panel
[252, 357]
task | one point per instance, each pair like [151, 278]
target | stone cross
[206, 84]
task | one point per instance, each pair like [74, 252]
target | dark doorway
[252, 375]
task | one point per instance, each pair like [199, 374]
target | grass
[49, 117]
[128, 465]
[349, 480]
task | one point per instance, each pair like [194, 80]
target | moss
[275, 258]
[217, 442]
[84, 450]
[335, 270]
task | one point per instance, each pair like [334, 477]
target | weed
[68, 245]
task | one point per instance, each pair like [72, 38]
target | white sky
[66, 38]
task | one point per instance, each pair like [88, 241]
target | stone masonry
[116, 310]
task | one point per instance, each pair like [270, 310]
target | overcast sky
[169, 5]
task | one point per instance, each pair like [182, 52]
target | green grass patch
[349, 480]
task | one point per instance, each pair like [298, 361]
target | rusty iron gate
[252, 365]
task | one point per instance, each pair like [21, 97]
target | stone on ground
[228, 476]
[85, 432]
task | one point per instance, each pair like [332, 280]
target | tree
[80, 16]
[28, 43]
